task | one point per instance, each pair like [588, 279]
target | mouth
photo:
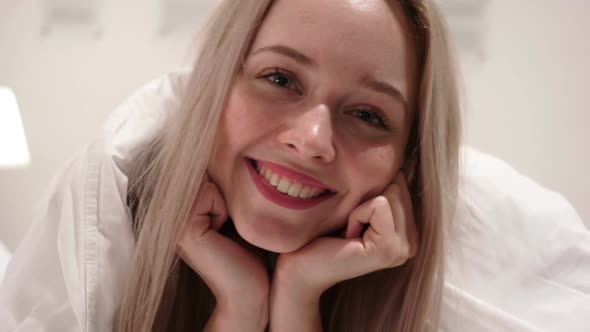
[288, 190]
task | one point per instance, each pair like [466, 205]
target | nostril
[312, 148]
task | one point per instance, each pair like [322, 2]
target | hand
[389, 241]
[237, 278]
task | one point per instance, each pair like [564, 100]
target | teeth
[284, 185]
[313, 192]
[294, 190]
[305, 192]
[288, 187]
[274, 180]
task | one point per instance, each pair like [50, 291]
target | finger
[382, 221]
[357, 219]
[403, 212]
[327, 260]
[380, 246]
[218, 210]
[393, 195]
[209, 207]
[361, 215]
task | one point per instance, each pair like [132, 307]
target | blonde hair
[164, 294]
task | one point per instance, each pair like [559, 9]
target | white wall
[526, 98]
[68, 81]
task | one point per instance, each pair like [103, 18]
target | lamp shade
[14, 152]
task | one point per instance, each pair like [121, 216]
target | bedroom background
[69, 63]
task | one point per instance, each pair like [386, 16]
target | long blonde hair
[164, 294]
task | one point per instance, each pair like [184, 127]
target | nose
[310, 135]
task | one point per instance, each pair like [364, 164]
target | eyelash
[276, 72]
[382, 121]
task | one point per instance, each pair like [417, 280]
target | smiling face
[317, 120]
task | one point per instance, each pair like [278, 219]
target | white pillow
[519, 255]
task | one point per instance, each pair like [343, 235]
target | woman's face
[317, 121]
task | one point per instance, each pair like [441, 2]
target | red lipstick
[272, 194]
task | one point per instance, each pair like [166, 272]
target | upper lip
[293, 175]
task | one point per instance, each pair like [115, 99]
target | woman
[309, 116]
[306, 179]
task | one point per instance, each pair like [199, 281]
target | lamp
[14, 152]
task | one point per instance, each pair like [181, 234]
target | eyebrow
[289, 52]
[375, 85]
[386, 88]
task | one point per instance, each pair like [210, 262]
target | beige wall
[526, 96]
[68, 81]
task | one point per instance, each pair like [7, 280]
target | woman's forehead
[348, 36]
[350, 25]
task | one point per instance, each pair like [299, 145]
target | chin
[274, 244]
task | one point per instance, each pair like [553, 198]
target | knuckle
[380, 202]
[395, 255]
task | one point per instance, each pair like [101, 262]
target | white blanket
[519, 256]
[519, 259]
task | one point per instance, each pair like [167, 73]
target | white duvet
[519, 259]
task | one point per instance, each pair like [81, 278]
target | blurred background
[525, 69]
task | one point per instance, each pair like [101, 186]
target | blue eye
[282, 80]
[372, 118]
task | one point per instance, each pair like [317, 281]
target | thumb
[210, 206]
[358, 218]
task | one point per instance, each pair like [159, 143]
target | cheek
[244, 120]
[371, 170]
[236, 124]
[233, 134]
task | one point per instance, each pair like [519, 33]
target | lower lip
[272, 194]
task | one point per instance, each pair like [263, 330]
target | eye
[372, 118]
[280, 79]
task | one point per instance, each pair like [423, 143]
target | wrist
[291, 277]
[239, 316]
[294, 306]
[290, 311]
